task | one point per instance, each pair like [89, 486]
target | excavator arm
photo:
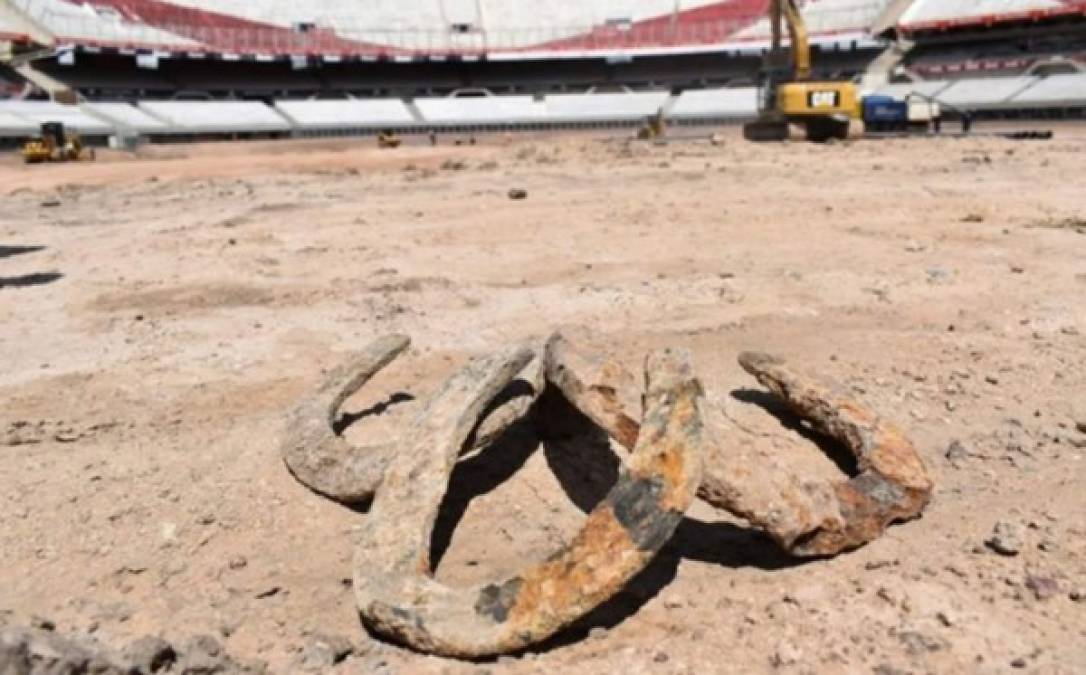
[788, 11]
[789, 95]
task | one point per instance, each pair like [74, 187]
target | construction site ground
[184, 298]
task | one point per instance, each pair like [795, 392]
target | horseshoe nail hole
[763, 412]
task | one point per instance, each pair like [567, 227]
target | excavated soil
[184, 299]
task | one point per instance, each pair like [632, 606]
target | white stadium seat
[216, 116]
[603, 107]
[346, 113]
[987, 92]
[1054, 90]
[37, 112]
[716, 103]
[482, 110]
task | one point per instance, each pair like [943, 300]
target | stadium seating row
[397, 28]
[947, 14]
[19, 118]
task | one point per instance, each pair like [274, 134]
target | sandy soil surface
[183, 301]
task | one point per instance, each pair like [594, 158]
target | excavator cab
[788, 95]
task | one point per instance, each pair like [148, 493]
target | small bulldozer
[55, 145]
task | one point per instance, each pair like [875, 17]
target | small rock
[150, 654]
[1077, 595]
[1006, 539]
[52, 202]
[517, 194]
[238, 562]
[268, 592]
[42, 623]
[918, 643]
[454, 165]
[1018, 663]
[322, 652]
[597, 633]
[956, 453]
[202, 655]
[660, 657]
[1043, 587]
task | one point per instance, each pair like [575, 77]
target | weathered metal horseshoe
[893, 483]
[321, 459]
[805, 519]
[396, 594]
[325, 462]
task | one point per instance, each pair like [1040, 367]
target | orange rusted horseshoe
[326, 463]
[396, 594]
[805, 519]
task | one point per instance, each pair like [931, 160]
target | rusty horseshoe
[395, 592]
[805, 519]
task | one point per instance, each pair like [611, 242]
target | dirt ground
[184, 300]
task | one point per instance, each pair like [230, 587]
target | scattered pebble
[1006, 539]
[1043, 587]
[518, 194]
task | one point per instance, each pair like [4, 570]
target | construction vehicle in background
[788, 95]
[654, 127]
[55, 145]
[387, 139]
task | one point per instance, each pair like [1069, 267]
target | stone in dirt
[1006, 538]
[150, 654]
[321, 652]
[1043, 587]
[517, 194]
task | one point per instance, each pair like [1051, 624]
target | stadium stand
[943, 15]
[716, 104]
[344, 115]
[386, 28]
[97, 25]
[35, 113]
[985, 93]
[204, 68]
[127, 118]
[216, 117]
[454, 111]
[14, 126]
[1056, 91]
[604, 107]
[830, 20]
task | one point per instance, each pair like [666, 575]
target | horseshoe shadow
[836, 451]
[346, 419]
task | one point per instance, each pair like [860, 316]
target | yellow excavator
[789, 96]
[54, 145]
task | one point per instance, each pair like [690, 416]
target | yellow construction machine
[789, 96]
[54, 145]
[387, 139]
